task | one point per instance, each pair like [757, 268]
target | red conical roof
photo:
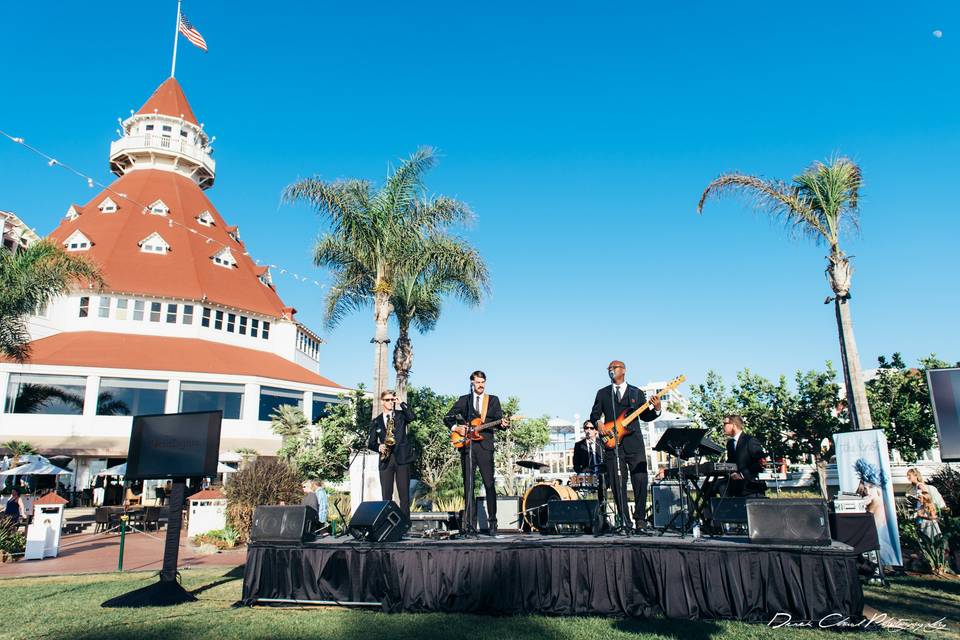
[169, 100]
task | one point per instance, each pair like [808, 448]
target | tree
[288, 422]
[521, 440]
[375, 233]
[264, 481]
[447, 266]
[820, 203]
[29, 279]
[900, 404]
[710, 402]
[18, 448]
[431, 437]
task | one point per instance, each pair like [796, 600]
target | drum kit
[539, 491]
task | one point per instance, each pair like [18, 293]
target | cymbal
[531, 464]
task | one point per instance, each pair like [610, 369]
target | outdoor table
[859, 530]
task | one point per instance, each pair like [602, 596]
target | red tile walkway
[97, 553]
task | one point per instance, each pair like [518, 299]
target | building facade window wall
[206, 396]
[45, 394]
[131, 397]
[271, 398]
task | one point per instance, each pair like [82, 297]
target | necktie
[593, 456]
[619, 394]
[476, 404]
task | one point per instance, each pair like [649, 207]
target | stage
[709, 578]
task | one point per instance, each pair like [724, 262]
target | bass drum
[536, 498]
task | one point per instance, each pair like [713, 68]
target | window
[218, 322]
[158, 208]
[84, 306]
[231, 321]
[131, 397]
[265, 334]
[254, 323]
[171, 314]
[205, 396]
[73, 213]
[205, 320]
[155, 311]
[148, 127]
[107, 206]
[271, 398]
[138, 309]
[183, 133]
[188, 314]
[224, 258]
[167, 128]
[77, 242]
[243, 325]
[48, 395]
[321, 405]
[154, 243]
[104, 311]
[205, 219]
[122, 304]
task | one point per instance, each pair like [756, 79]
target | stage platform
[708, 578]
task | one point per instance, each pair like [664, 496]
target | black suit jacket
[463, 411]
[633, 397]
[748, 456]
[581, 455]
[403, 451]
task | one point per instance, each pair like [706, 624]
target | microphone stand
[621, 490]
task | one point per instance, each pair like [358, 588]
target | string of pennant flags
[144, 209]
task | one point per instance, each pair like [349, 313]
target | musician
[588, 453]
[477, 404]
[611, 401]
[394, 461]
[747, 453]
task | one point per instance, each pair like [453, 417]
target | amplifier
[582, 513]
[666, 503]
[508, 513]
[849, 506]
[423, 521]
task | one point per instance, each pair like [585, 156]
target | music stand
[681, 444]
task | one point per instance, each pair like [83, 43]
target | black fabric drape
[859, 530]
[687, 581]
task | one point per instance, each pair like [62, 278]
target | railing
[168, 143]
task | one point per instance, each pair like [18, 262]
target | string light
[91, 182]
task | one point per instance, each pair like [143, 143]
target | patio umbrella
[115, 470]
[35, 469]
[222, 468]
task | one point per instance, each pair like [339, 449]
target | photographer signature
[840, 621]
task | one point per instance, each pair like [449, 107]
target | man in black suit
[588, 453]
[477, 404]
[747, 453]
[394, 461]
[611, 401]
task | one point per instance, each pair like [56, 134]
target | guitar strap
[483, 408]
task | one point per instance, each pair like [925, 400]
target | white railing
[167, 143]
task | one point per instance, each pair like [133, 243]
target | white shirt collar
[736, 439]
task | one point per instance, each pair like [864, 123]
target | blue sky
[581, 134]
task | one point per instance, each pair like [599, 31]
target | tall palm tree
[820, 203]
[447, 266]
[373, 234]
[29, 279]
[18, 448]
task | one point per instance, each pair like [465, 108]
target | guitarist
[394, 461]
[611, 401]
[477, 404]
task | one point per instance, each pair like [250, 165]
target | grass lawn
[65, 607]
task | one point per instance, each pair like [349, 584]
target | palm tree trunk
[381, 375]
[852, 375]
[403, 361]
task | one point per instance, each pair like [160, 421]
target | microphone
[610, 373]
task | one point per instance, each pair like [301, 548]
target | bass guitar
[613, 432]
[475, 429]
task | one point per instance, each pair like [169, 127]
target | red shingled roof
[96, 349]
[169, 100]
[50, 498]
[208, 494]
[186, 271]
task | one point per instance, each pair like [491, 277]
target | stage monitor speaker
[666, 503]
[788, 521]
[508, 513]
[944, 385]
[571, 512]
[377, 521]
[289, 524]
[733, 510]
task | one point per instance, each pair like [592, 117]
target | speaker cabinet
[732, 510]
[571, 512]
[666, 503]
[377, 521]
[800, 522]
[283, 524]
[508, 513]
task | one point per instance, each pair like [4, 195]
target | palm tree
[29, 279]
[373, 234]
[288, 422]
[819, 203]
[18, 448]
[447, 266]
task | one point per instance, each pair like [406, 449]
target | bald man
[612, 400]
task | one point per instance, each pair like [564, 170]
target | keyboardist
[747, 453]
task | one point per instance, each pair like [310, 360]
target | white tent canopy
[121, 470]
[35, 469]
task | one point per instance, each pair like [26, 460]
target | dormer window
[264, 276]
[234, 233]
[224, 258]
[205, 219]
[73, 213]
[154, 243]
[77, 242]
[158, 208]
[107, 206]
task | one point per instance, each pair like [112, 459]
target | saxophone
[389, 441]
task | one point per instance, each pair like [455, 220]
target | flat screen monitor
[945, 395]
[174, 445]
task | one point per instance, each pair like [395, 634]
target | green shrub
[947, 481]
[220, 538]
[12, 541]
[263, 481]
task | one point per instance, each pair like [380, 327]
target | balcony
[163, 150]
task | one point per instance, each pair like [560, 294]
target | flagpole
[176, 35]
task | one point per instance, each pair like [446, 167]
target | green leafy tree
[821, 203]
[18, 448]
[29, 279]
[288, 422]
[437, 459]
[446, 267]
[521, 440]
[374, 234]
[765, 407]
[900, 404]
[710, 401]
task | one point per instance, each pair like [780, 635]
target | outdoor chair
[151, 518]
[102, 519]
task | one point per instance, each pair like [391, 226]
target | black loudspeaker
[571, 512]
[377, 521]
[732, 510]
[281, 524]
[666, 503]
[801, 522]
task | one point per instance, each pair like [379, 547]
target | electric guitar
[475, 429]
[613, 432]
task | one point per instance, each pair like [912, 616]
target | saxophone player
[388, 437]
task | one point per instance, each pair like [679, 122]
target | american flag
[191, 33]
